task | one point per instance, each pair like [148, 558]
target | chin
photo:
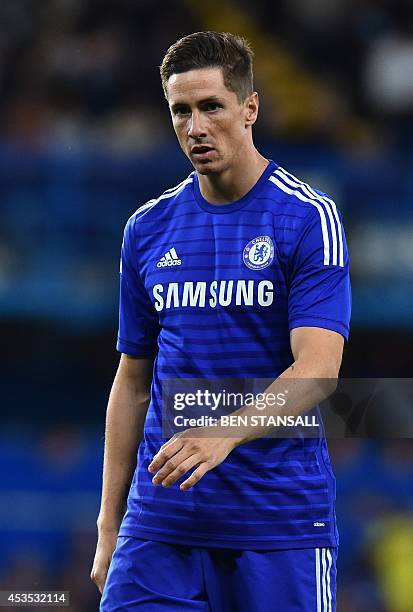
[205, 169]
[208, 168]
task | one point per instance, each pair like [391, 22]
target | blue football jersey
[213, 291]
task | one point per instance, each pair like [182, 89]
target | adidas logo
[169, 259]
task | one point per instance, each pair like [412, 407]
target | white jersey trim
[300, 196]
[185, 181]
[331, 208]
[317, 578]
[167, 194]
[330, 563]
[323, 564]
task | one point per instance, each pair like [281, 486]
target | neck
[235, 181]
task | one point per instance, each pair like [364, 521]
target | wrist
[238, 440]
[108, 525]
[231, 440]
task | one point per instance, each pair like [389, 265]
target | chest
[229, 263]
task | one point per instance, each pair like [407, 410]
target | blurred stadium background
[84, 140]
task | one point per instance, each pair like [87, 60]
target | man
[240, 271]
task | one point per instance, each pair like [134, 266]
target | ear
[251, 109]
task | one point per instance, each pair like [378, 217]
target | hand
[104, 550]
[186, 450]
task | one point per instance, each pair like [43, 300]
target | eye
[212, 106]
[181, 111]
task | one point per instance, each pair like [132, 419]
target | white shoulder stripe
[307, 191]
[331, 210]
[148, 204]
[169, 194]
[334, 208]
[318, 206]
[188, 179]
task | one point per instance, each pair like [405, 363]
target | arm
[317, 355]
[310, 379]
[125, 417]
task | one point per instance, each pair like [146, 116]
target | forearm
[296, 391]
[127, 407]
[311, 378]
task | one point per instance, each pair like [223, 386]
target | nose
[196, 129]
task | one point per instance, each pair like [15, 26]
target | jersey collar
[231, 206]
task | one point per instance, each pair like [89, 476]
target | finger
[102, 581]
[100, 571]
[195, 476]
[172, 464]
[174, 438]
[166, 452]
[184, 467]
[94, 574]
[98, 580]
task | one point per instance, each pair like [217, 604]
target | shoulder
[291, 191]
[306, 211]
[154, 208]
[297, 198]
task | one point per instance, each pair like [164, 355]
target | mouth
[202, 151]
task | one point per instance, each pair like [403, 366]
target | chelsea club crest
[259, 253]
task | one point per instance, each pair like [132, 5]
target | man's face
[209, 120]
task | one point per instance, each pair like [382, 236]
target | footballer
[239, 271]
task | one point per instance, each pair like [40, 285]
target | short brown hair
[208, 50]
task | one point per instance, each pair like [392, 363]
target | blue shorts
[161, 577]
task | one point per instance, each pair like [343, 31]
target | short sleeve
[138, 320]
[319, 287]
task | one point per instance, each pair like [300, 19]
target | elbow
[329, 378]
[331, 372]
